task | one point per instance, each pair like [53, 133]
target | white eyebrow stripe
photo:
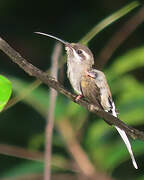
[76, 55]
[85, 54]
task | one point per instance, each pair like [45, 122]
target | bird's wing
[90, 90]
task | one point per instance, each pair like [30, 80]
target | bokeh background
[23, 125]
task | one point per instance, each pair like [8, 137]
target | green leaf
[130, 100]
[38, 98]
[97, 141]
[133, 59]
[5, 91]
[109, 20]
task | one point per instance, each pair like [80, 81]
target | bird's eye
[79, 51]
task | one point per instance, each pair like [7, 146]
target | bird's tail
[128, 145]
[125, 139]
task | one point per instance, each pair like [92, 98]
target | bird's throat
[74, 72]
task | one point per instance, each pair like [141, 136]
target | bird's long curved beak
[68, 46]
[54, 37]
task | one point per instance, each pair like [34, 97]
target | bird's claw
[78, 98]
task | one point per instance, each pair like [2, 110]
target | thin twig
[119, 37]
[78, 154]
[50, 121]
[51, 82]
[20, 152]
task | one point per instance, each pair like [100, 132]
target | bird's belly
[75, 83]
[74, 76]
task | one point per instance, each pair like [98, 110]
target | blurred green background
[23, 125]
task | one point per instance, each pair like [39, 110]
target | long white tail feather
[128, 145]
[125, 139]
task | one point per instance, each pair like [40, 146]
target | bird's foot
[78, 97]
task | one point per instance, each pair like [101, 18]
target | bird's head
[78, 53]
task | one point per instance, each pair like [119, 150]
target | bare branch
[50, 123]
[20, 152]
[51, 82]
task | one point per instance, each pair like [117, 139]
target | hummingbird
[90, 83]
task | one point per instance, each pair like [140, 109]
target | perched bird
[90, 83]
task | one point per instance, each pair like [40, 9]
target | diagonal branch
[20, 152]
[51, 82]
